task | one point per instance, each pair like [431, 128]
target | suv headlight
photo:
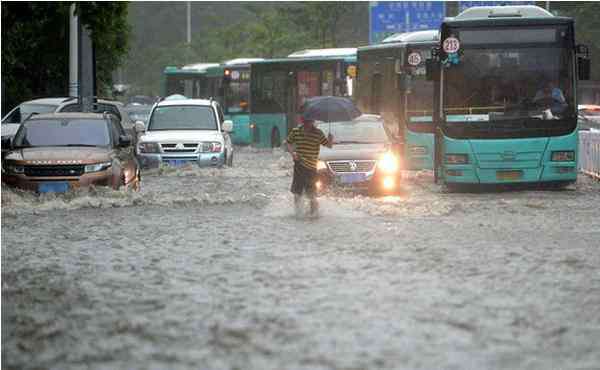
[321, 166]
[13, 168]
[212, 147]
[388, 163]
[148, 147]
[97, 167]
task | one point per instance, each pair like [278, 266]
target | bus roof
[417, 36]
[241, 61]
[507, 11]
[190, 68]
[316, 53]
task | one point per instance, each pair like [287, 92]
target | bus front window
[237, 93]
[511, 82]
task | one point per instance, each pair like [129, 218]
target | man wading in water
[307, 140]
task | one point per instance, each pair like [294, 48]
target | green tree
[35, 51]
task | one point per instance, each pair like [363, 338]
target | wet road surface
[210, 269]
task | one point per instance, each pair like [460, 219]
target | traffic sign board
[389, 17]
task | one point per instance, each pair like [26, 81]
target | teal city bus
[392, 83]
[229, 84]
[505, 106]
[279, 87]
[189, 80]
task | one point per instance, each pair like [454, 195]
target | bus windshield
[237, 92]
[509, 82]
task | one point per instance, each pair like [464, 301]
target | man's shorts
[304, 179]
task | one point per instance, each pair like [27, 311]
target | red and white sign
[451, 45]
[414, 59]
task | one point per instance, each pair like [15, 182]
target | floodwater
[211, 269]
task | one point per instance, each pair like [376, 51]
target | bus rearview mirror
[583, 69]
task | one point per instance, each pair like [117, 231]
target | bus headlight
[457, 158]
[388, 163]
[148, 147]
[563, 156]
[321, 166]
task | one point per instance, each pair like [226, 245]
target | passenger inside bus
[551, 96]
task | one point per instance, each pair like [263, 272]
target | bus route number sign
[414, 59]
[451, 45]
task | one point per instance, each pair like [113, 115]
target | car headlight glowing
[148, 147]
[388, 163]
[97, 167]
[563, 156]
[321, 166]
[457, 158]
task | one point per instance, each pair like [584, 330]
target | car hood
[60, 155]
[353, 151]
[182, 135]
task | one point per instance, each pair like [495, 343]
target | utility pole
[189, 23]
[73, 53]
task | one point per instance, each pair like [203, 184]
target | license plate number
[351, 178]
[509, 175]
[53, 187]
[176, 162]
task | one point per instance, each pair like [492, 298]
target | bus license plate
[351, 178]
[509, 175]
[53, 187]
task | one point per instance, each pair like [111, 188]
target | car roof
[49, 101]
[67, 115]
[200, 102]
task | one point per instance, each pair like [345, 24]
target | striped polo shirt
[308, 144]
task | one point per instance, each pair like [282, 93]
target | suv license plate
[53, 187]
[176, 162]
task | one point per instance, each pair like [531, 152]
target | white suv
[185, 131]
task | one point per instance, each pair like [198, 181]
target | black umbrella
[329, 109]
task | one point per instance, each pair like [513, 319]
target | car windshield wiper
[86, 145]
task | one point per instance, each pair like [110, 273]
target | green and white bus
[190, 80]
[279, 87]
[392, 83]
[230, 86]
[505, 105]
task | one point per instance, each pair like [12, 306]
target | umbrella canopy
[329, 109]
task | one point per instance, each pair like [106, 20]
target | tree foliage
[35, 46]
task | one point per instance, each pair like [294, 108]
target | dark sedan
[60, 151]
[363, 157]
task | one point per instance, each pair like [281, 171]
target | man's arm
[290, 147]
[327, 141]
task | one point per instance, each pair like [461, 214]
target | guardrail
[589, 153]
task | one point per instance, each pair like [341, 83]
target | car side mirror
[228, 126]
[139, 126]
[124, 141]
[6, 143]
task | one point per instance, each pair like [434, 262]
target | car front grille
[179, 148]
[351, 166]
[54, 171]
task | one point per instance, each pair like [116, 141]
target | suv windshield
[357, 131]
[183, 117]
[63, 132]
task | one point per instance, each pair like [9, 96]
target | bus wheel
[275, 140]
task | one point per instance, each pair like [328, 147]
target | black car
[364, 156]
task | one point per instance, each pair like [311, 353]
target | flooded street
[210, 269]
